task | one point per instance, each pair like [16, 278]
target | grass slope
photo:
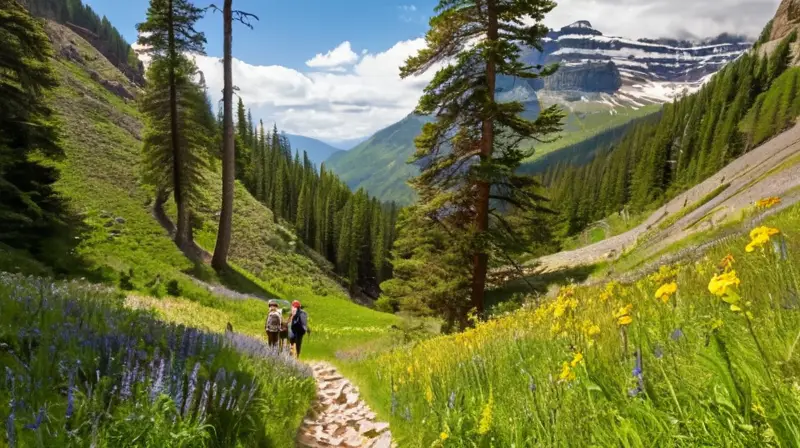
[616, 365]
[101, 136]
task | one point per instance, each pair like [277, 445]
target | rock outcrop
[786, 19]
[112, 86]
[592, 77]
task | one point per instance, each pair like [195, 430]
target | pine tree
[167, 34]
[29, 209]
[196, 137]
[483, 39]
[431, 269]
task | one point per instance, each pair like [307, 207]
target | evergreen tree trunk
[182, 238]
[481, 258]
[220, 260]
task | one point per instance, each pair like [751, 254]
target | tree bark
[220, 259]
[481, 258]
[181, 231]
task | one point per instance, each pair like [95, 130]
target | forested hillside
[352, 230]
[747, 102]
[95, 29]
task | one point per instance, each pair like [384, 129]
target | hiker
[298, 327]
[284, 336]
[273, 325]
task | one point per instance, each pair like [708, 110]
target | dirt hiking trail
[339, 418]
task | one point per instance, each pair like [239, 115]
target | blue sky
[290, 32]
[329, 69]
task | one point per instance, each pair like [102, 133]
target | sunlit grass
[682, 369]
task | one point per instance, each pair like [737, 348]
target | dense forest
[116, 49]
[352, 230]
[743, 105]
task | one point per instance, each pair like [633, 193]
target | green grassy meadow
[617, 365]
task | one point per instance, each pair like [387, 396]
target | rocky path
[339, 418]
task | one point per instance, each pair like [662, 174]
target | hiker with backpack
[298, 327]
[273, 325]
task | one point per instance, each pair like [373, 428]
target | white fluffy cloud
[337, 58]
[344, 95]
[667, 18]
[334, 106]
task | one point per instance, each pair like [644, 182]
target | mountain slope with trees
[96, 30]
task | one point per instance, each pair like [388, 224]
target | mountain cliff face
[786, 19]
[602, 83]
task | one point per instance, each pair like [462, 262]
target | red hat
[296, 304]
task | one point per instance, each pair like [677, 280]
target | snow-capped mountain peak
[634, 72]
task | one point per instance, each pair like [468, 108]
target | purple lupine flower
[637, 370]
[178, 382]
[11, 430]
[232, 395]
[204, 400]
[221, 399]
[253, 387]
[39, 417]
[676, 334]
[158, 384]
[190, 389]
[71, 396]
[638, 374]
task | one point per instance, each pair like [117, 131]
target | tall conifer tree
[167, 34]
[472, 149]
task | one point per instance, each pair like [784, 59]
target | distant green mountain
[379, 163]
[318, 151]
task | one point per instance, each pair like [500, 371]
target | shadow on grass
[49, 247]
[233, 279]
[510, 296]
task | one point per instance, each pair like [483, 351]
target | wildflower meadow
[701, 353]
[79, 369]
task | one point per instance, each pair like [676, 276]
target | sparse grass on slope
[617, 366]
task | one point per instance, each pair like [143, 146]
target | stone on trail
[339, 418]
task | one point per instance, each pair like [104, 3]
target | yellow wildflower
[566, 374]
[486, 416]
[623, 316]
[768, 202]
[665, 274]
[429, 395]
[760, 236]
[665, 291]
[443, 436]
[608, 292]
[590, 330]
[410, 370]
[576, 359]
[720, 283]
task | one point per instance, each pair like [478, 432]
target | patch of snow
[518, 93]
[635, 43]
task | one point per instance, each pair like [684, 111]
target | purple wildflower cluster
[81, 345]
